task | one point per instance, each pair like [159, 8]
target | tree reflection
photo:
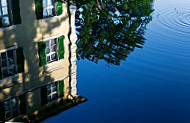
[111, 29]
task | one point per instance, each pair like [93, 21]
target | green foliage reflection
[111, 29]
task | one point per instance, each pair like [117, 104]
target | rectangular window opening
[48, 8]
[52, 92]
[8, 63]
[51, 50]
[4, 14]
[11, 108]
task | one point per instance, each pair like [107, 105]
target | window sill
[53, 101]
[9, 81]
[49, 18]
[15, 118]
[49, 68]
[8, 28]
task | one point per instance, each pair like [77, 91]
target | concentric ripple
[175, 20]
[171, 26]
[168, 42]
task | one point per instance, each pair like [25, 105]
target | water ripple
[166, 52]
[175, 20]
[170, 32]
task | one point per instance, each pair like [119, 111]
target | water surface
[149, 85]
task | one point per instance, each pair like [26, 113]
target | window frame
[13, 14]
[50, 52]
[11, 108]
[59, 50]
[14, 48]
[60, 91]
[45, 12]
[47, 7]
[52, 92]
[5, 15]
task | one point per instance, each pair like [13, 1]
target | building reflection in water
[37, 60]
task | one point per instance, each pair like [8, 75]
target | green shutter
[61, 47]
[59, 8]
[16, 12]
[39, 9]
[22, 107]
[42, 53]
[61, 88]
[2, 111]
[44, 96]
[20, 60]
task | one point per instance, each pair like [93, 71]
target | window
[8, 63]
[4, 15]
[51, 92]
[11, 108]
[11, 62]
[48, 8]
[9, 13]
[51, 50]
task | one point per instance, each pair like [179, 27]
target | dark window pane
[47, 43]
[8, 115]
[7, 108]
[47, 50]
[7, 103]
[53, 48]
[53, 56]
[13, 105]
[48, 58]
[5, 73]
[48, 91]
[54, 88]
[10, 53]
[3, 56]
[49, 86]
[54, 96]
[12, 71]
[49, 97]
[53, 84]
[11, 61]
[53, 42]
[4, 63]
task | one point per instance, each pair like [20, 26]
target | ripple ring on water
[177, 21]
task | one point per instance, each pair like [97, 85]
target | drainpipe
[73, 48]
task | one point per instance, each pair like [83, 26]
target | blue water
[151, 86]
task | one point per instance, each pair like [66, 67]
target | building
[37, 58]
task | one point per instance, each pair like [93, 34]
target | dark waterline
[151, 86]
